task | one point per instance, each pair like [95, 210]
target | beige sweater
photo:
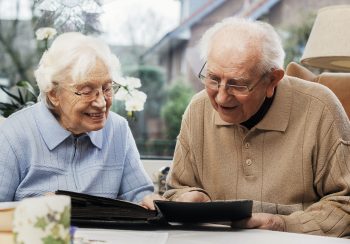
[295, 162]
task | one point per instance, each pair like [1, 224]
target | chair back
[339, 83]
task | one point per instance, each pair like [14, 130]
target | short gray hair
[271, 46]
[71, 56]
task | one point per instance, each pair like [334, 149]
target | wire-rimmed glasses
[237, 90]
[89, 94]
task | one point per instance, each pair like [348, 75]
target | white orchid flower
[122, 94]
[123, 82]
[133, 105]
[133, 98]
[133, 82]
[139, 95]
[45, 33]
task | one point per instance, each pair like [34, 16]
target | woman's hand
[147, 201]
[193, 196]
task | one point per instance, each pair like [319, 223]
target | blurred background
[155, 40]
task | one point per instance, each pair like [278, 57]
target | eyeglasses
[237, 90]
[89, 94]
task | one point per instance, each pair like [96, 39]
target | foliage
[158, 147]
[178, 97]
[20, 52]
[81, 16]
[296, 37]
[21, 95]
[153, 81]
[153, 85]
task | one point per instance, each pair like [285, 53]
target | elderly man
[257, 134]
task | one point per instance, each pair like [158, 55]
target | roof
[183, 31]
[258, 9]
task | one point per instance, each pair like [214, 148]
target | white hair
[70, 58]
[272, 55]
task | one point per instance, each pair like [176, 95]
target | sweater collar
[260, 114]
[277, 116]
[54, 134]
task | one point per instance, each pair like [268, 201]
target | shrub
[178, 97]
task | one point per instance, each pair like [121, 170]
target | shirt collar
[53, 133]
[96, 137]
[278, 115]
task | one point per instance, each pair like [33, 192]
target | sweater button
[249, 162]
[246, 145]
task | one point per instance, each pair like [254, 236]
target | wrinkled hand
[147, 201]
[193, 196]
[261, 221]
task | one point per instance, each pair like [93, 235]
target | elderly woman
[70, 140]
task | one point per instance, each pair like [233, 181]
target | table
[204, 236]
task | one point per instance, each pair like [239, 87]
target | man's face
[229, 64]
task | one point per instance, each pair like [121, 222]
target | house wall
[171, 61]
[283, 14]
[292, 12]
[225, 10]
[184, 59]
[189, 7]
[177, 65]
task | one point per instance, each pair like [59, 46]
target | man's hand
[147, 201]
[261, 221]
[193, 196]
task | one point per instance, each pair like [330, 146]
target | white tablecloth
[203, 236]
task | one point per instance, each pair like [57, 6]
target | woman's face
[79, 114]
[82, 107]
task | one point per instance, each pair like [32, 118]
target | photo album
[94, 211]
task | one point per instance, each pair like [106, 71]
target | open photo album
[92, 211]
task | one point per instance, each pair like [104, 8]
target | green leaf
[7, 105]
[24, 97]
[55, 230]
[4, 89]
[51, 240]
[65, 217]
[41, 223]
[26, 85]
[21, 97]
